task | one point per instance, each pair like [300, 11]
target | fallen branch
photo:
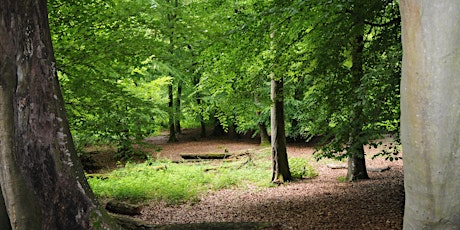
[332, 166]
[200, 156]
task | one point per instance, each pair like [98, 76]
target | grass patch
[342, 179]
[176, 183]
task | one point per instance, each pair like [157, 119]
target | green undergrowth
[175, 183]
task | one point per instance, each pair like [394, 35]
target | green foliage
[117, 59]
[355, 95]
[99, 47]
[300, 168]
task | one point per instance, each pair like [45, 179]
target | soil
[323, 202]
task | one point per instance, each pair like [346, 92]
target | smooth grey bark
[430, 113]
[41, 178]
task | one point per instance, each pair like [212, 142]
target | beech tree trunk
[41, 178]
[356, 158]
[281, 172]
[430, 113]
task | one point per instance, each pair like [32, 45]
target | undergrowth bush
[301, 169]
[176, 183]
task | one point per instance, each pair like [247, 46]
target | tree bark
[178, 109]
[430, 113]
[172, 128]
[281, 172]
[202, 123]
[356, 159]
[41, 178]
[196, 81]
[264, 137]
[357, 165]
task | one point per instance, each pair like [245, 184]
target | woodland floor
[319, 203]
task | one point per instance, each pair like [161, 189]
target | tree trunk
[172, 128]
[178, 110]
[202, 123]
[41, 178]
[281, 172]
[264, 138]
[357, 165]
[356, 160]
[430, 113]
[196, 81]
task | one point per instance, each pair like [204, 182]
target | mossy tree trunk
[41, 178]
[430, 113]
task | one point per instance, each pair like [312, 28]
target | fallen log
[123, 208]
[379, 169]
[194, 156]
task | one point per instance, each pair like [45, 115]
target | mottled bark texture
[42, 181]
[430, 113]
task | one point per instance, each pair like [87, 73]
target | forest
[302, 88]
[129, 70]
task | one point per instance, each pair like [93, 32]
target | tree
[430, 113]
[280, 172]
[355, 80]
[41, 179]
[93, 72]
